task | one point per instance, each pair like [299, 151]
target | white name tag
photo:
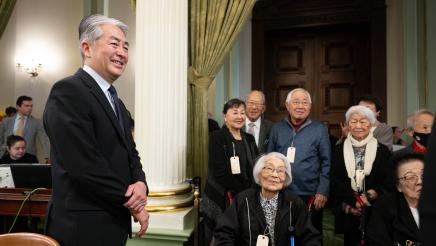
[291, 154]
[262, 240]
[234, 165]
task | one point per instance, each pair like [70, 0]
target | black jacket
[341, 190]
[392, 221]
[27, 158]
[233, 226]
[93, 160]
[220, 179]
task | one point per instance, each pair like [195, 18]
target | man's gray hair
[90, 31]
[291, 93]
[361, 110]
[260, 164]
[411, 117]
[262, 96]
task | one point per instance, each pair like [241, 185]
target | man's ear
[86, 49]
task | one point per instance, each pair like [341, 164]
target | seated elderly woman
[16, 151]
[267, 214]
[358, 174]
[395, 217]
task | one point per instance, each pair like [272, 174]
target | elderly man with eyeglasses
[255, 123]
[305, 143]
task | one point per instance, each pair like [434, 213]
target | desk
[11, 199]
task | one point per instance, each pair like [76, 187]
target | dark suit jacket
[93, 161]
[265, 128]
[427, 203]
[392, 221]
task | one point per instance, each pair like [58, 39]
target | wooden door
[333, 66]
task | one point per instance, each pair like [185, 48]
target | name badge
[262, 240]
[291, 154]
[234, 165]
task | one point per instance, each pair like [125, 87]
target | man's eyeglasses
[270, 170]
[302, 103]
[411, 178]
[254, 104]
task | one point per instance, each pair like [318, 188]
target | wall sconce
[31, 67]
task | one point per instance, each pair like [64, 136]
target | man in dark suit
[255, 124]
[25, 125]
[98, 181]
[427, 202]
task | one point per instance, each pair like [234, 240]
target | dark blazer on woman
[392, 221]
[233, 226]
[220, 179]
[93, 162]
[341, 190]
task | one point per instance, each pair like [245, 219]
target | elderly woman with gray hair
[267, 214]
[358, 175]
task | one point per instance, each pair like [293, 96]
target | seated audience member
[395, 218]
[16, 151]
[269, 210]
[358, 171]
[381, 131]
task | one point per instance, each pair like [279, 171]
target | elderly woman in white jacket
[358, 173]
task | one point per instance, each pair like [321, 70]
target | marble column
[161, 101]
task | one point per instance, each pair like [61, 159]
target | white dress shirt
[256, 128]
[17, 120]
[104, 85]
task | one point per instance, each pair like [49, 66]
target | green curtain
[214, 26]
[6, 7]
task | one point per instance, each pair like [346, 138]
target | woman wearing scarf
[358, 174]
[231, 160]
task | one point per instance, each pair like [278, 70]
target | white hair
[90, 31]
[291, 93]
[411, 118]
[260, 164]
[361, 110]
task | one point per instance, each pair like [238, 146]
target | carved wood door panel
[333, 67]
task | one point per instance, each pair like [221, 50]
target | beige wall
[47, 29]
[396, 113]
[7, 69]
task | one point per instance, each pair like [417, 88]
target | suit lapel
[102, 99]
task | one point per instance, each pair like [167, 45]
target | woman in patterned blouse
[267, 213]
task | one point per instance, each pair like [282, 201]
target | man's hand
[320, 201]
[138, 198]
[142, 217]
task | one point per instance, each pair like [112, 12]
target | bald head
[255, 101]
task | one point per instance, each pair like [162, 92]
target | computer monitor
[31, 175]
